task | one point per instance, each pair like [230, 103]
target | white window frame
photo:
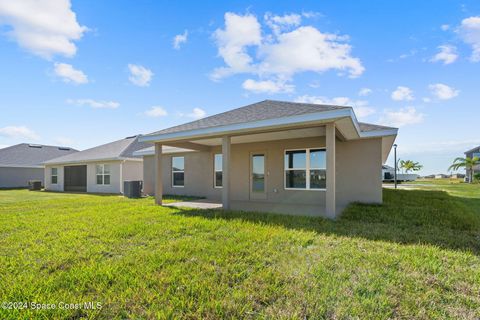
[175, 171]
[215, 172]
[53, 175]
[307, 169]
[103, 174]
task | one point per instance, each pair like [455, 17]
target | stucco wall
[132, 170]
[149, 175]
[11, 177]
[357, 176]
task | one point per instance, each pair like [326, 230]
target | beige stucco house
[101, 169]
[274, 156]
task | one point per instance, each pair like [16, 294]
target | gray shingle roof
[368, 127]
[264, 110]
[31, 155]
[114, 150]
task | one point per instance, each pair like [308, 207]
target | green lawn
[417, 256]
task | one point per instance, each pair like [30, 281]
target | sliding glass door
[258, 178]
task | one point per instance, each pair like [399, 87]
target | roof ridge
[134, 139]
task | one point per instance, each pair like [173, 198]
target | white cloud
[403, 117]
[442, 91]
[470, 32]
[281, 23]
[139, 75]
[239, 33]
[18, 132]
[197, 113]
[43, 27]
[426, 99]
[364, 92]
[361, 107]
[179, 39]
[267, 86]
[96, 104]
[156, 112]
[69, 74]
[282, 54]
[445, 27]
[308, 49]
[402, 94]
[448, 54]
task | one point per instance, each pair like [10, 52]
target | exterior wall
[48, 180]
[149, 175]
[132, 170]
[12, 177]
[357, 176]
[92, 186]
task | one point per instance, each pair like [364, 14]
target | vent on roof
[64, 149]
[35, 146]
[131, 137]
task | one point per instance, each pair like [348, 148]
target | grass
[417, 256]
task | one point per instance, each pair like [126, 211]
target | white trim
[103, 174]
[177, 171]
[307, 169]
[82, 162]
[53, 175]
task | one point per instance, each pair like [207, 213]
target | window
[476, 154]
[178, 171]
[258, 173]
[54, 175]
[103, 174]
[218, 166]
[305, 169]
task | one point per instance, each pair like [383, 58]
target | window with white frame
[54, 175]
[305, 169]
[218, 167]
[178, 171]
[103, 174]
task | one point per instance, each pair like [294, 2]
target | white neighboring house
[101, 169]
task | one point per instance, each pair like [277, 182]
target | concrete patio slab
[198, 204]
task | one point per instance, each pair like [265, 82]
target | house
[441, 176]
[457, 176]
[23, 162]
[274, 156]
[388, 175]
[475, 152]
[101, 169]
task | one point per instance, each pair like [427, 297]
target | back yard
[416, 256]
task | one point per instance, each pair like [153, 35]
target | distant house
[441, 176]
[475, 152]
[457, 176]
[101, 169]
[23, 162]
[274, 156]
[388, 175]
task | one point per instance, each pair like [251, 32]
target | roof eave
[91, 160]
[238, 128]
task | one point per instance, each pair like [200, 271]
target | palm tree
[410, 165]
[467, 163]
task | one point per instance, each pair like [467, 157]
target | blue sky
[83, 73]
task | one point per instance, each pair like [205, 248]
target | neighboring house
[441, 176]
[475, 152]
[388, 175]
[296, 158]
[23, 162]
[101, 169]
[457, 176]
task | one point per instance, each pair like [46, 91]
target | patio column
[330, 192]
[158, 174]
[226, 141]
